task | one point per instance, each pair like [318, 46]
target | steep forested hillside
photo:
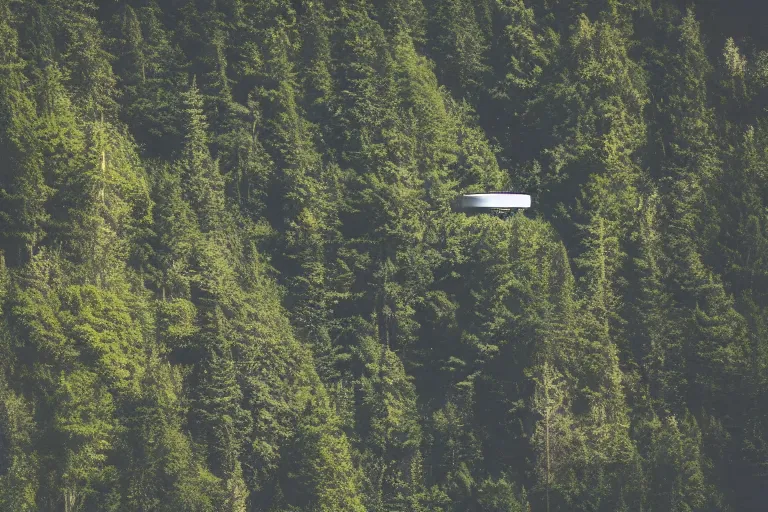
[231, 279]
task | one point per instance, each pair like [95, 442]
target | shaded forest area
[231, 280]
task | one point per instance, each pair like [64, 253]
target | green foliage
[459, 43]
[231, 279]
[23, 189]
[18, 485]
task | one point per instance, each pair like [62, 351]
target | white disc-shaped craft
[495, 201]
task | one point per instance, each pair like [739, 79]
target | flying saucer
[495, 201]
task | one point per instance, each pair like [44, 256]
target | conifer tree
[149, 68]
[520, 56]
[655, 339]
[459, 46]
[19, 486]
[677, 481]
[552, 430]
[23, 188]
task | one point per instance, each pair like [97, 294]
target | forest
[231, 279]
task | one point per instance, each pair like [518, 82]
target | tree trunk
[546, 437]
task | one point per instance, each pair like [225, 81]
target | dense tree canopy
[231, 278]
